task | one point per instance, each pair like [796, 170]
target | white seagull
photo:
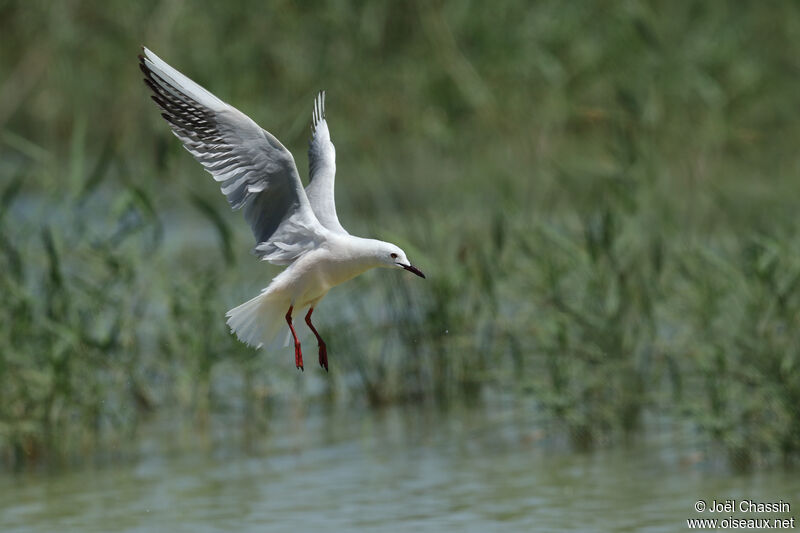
[292, 226]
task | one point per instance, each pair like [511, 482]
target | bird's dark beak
[413, 269]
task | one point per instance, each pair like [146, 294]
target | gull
[293, 227]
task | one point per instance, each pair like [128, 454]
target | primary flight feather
[293, 227]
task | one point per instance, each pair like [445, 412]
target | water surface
[398, 469]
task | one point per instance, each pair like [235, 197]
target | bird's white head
[391, 256]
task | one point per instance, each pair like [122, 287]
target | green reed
[603, 199]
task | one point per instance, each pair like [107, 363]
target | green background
[602, 194]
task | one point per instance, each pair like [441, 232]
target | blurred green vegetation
[603, 195]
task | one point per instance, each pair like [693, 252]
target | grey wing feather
[256, 172]
[322, 169]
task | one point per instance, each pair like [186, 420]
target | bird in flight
[294, 227]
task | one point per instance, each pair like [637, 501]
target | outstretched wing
[322, 169]
[256, 172]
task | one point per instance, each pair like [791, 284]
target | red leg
[323, 350]
[298, 355]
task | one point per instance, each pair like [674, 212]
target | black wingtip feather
[159, 102]
[185, 117]
[153, 87]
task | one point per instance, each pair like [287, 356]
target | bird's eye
[393, 255]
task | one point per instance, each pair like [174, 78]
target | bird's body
[294, 227]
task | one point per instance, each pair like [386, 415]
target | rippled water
[399, 469]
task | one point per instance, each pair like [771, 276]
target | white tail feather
[257, 321]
